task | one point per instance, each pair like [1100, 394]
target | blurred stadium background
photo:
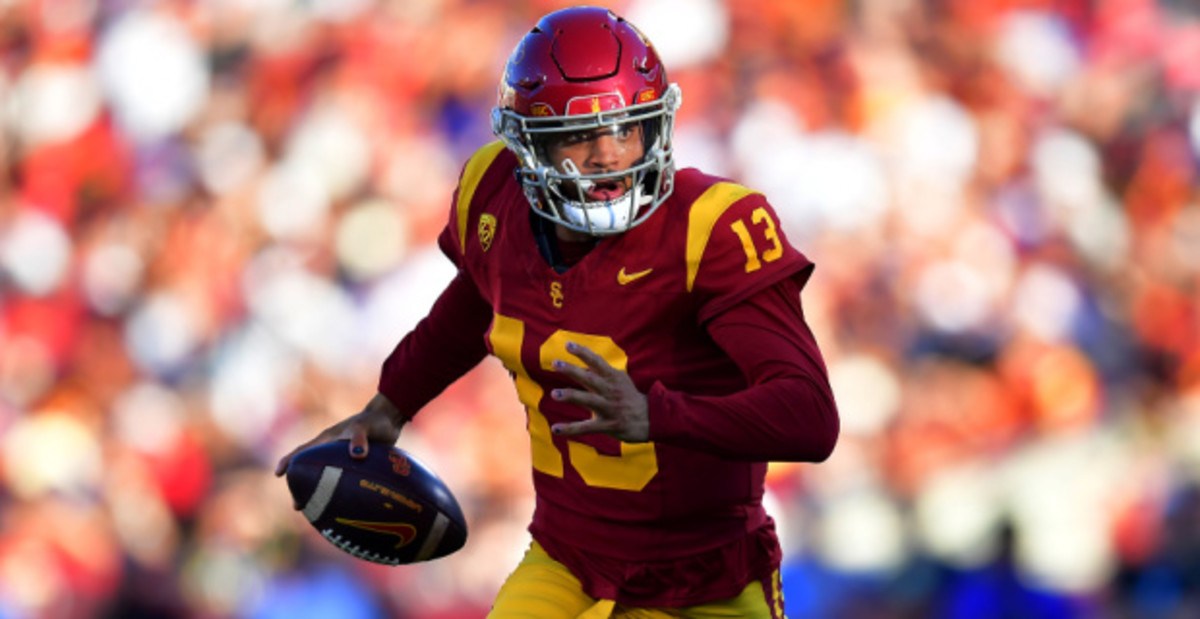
[217, 217]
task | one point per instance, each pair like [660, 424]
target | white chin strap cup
[605, 216]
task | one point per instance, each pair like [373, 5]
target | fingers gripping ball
[387, 508]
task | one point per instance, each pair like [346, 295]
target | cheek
[632, 154]
[558, 155]
[632, 146]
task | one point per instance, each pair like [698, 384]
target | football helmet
[580, 71]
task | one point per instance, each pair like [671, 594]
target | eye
[565, 140]
[578, 137]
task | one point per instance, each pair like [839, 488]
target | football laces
[355, 550]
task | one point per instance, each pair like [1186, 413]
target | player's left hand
[619, 409]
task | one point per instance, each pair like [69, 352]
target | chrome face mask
[562, 195]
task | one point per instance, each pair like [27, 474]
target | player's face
[607, 149]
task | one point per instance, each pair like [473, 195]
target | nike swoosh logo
[624, 278]
[406, 532]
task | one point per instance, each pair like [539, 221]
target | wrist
[381, 405]
[662, 417]
[639, 431]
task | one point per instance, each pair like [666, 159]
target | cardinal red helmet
[580, 70]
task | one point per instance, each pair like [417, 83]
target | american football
[388, 508]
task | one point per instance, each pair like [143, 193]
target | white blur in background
[153, 72]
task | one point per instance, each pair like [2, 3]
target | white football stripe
[435, 537]
[320, 498]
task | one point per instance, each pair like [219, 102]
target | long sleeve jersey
[700, 306]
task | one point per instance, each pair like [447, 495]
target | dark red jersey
[643, 300]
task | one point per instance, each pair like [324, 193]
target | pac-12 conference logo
[487, 230]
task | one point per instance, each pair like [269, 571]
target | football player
[651, 320]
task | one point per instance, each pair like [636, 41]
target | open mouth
[606, 190]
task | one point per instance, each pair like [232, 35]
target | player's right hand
[377, 422]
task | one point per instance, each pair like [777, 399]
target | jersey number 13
[631, 470]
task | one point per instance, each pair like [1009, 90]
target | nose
[605, 153]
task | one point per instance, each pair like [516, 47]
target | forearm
[443, 347]
[787, 412]
[787, 419]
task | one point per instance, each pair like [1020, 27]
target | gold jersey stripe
[477, 165]
[705, 212]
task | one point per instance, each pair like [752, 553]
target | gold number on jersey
[638, 462]
[507, 335]
[758, 217]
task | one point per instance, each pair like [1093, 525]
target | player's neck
[559, 252]
[567, 235]
[573, 245]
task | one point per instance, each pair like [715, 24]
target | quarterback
[651, 321]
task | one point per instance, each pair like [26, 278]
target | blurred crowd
[217, 217]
